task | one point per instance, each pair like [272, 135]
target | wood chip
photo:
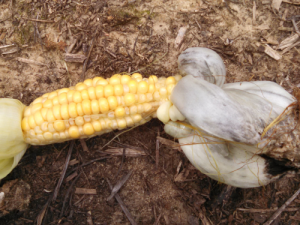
[29, 61]
[180, 36]
[276, 4]
[288, 41]
[269, 51]
[83, 145]
[75, 58]
[73, 162]
[85, 191]
[71, 176]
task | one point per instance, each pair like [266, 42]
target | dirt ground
[129, 36]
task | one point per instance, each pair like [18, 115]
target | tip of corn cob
[12, 142]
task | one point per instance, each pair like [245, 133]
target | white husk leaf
[12, 145]
[203, 63]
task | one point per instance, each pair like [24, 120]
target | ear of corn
[94, 107]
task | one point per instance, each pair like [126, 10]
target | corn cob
[94, 107]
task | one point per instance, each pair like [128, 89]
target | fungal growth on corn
[94, 107]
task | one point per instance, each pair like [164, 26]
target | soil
[129, 36]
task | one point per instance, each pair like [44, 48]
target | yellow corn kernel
[77, 97]
[50, 116]
[151, 88]
[147, 107]
[62, 136]
[73, 110]
[79, 109]
[74, 132]
[64, 111]
[115, 79]
[163, 92]
[103, 104]
[56, 112]
[97, 126]
[118, 89]
[102, 82]
[92, 93]
[149, 97]
[121, 123]
[24, 124]
[129, 121]
[88, 82]
[120, 111]
[59, 125]
[177, 77]
[27, 111]
[142, 98]
[95, 80]
[108, 90]
[132, 84]
[143, 87]
[95, 106]
[70, 95]
[84, 94]
[52, 95]
[62, 98]
[170, 80]
[125, 79]
[55, 100]
[79, 121]
[48, 136]
[137, 76]
[48, 103]
[136, 118]
[88, 129]
[140, 108]
[112, 102]
[152, 79]
[35, 107]
[38, 100]
[63, 90]
[86, 107]
[38, 118]
[170, 88]
[99, 90]
[44, 113]
[133, 110]
[80, 86]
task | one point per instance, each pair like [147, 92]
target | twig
[123, 158]
[56, 190]
[67, 195]
[281, 209]
[198, 24]
[30, 61]
[84, 146]
[157, 153]
[203, 218]
[293, 3]
[88, 56]
[133, 50]
[266, 210]
[124, 208]
[85, 191]
[42, 213]
[118, 186]
[36, 20]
